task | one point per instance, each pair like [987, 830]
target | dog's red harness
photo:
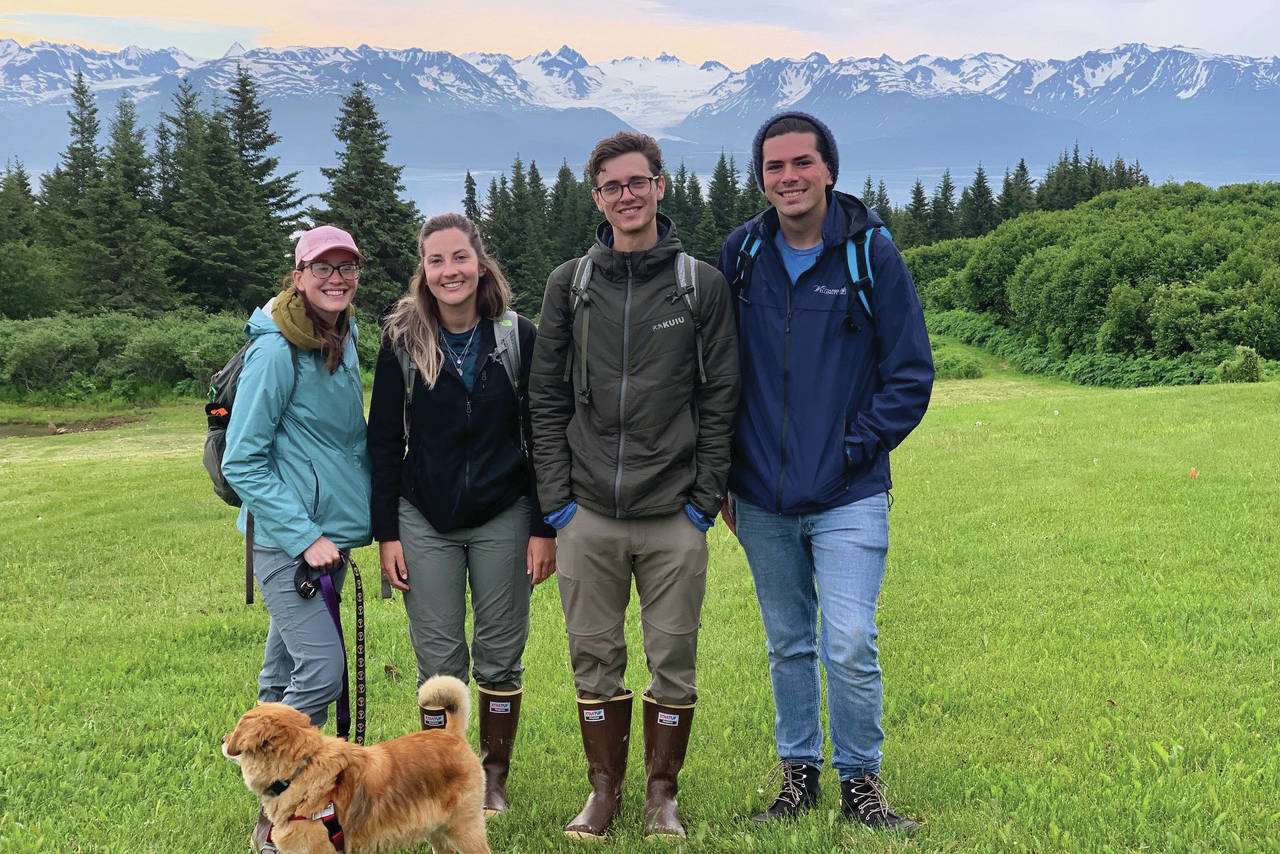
[328, 815]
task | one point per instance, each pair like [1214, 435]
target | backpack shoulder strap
[580, 295]
[746, 259]
[861, 277]
[687, 283]
[506, 346]
[409, 371]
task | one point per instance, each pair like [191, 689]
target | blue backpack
[857, 252]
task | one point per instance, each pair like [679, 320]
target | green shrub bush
[1243, 367]
[954, 366]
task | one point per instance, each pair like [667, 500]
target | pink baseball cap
[321, 239]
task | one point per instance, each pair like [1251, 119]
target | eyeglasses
[321, 270]
[639, 188]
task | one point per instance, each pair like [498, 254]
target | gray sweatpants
[492, 557]
[302, 664]
[596, 557]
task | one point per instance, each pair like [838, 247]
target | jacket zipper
[786, 393]
[622, 394]
[466, 464]
[786, 376]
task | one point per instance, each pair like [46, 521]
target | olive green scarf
[290, 315]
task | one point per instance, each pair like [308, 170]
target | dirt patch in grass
[28, 430]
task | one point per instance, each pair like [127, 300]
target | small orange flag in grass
[1193, 474]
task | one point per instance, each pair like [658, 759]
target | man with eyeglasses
[632, 394]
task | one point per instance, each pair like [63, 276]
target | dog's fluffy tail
[447, 694]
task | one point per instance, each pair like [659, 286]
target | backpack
[686, 289]
[506, 350]
[857, 250]
[222, 398]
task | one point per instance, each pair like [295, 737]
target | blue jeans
[831, 562]
[303, 661]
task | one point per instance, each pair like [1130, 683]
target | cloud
[199, 38]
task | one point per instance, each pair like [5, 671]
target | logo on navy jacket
[831, 292]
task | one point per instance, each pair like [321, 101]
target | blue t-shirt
[464, 344]
[796, 260]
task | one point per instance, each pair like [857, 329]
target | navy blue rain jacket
[822, 405]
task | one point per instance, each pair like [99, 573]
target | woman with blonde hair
[454, 502]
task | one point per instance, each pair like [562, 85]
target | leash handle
[248, 559]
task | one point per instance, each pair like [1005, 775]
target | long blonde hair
[413, 324]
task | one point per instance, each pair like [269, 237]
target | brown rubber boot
[606, 733]
[666, 736]
[433, 717]
[499, 717]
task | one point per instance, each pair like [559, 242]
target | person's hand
[391, 556]
[322, 554]
[540, 558]
[730, 521]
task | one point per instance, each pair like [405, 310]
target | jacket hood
[260, 322]
[644, 263]
[846, 216]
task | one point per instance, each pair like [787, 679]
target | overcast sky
[736, 32]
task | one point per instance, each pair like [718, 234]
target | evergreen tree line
[201, 218]
[530, 228]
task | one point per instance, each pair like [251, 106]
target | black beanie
[828, 141]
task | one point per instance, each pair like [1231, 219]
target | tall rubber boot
[606, 734]
[499, 717]
[666, 737]
[433, 717]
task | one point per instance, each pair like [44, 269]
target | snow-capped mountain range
[1184, 113]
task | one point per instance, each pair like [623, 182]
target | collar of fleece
[290, 315]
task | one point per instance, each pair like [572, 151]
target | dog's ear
[253, 733]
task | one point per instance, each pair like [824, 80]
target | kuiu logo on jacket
[667, 324]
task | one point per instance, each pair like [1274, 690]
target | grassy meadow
[1079, 629]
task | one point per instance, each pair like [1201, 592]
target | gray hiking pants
[492, 557]
[303, 662]
[596, 556]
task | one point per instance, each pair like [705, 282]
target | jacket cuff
[698, 518]
[561, 517]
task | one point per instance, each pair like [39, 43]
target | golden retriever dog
[424, 787]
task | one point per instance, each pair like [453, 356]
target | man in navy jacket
[829, 388]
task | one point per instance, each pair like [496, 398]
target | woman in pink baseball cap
[296, 457]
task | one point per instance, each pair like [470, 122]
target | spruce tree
[1017, 194]
[19, 220]
[124, 239]
[751, 200]
[868, 194]
[913, 230]
[534, 258]
[675, 202]
[63, 190]
[470, 206]
[884, 206]
[942, 209]
[694, 198]
[706, 240]
[250, 124]
[568, 222]
[976, 212]
[722, 197]
[364, 197]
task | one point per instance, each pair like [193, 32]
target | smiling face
[795, 176]
[331, 295]
[452, 269]
[634, 218]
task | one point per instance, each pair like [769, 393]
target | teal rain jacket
[296, 453]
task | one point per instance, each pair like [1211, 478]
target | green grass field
[1079, 641]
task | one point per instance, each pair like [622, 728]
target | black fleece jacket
[464, 463]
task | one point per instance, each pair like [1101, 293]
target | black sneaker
[799, 792]
[862, 799]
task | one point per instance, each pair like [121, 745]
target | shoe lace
[790, 793]
[869, 798]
